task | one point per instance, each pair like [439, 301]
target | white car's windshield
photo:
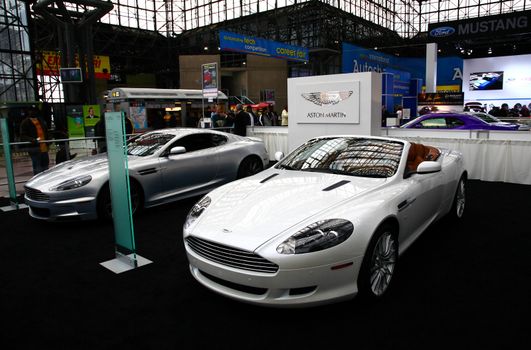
[346, 155]
[147, 144]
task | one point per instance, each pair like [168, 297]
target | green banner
[119, 182]
[74, 121]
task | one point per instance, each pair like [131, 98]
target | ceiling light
[489, 51]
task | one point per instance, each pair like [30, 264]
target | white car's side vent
[268, 178]
[336, 185]
[229, 256]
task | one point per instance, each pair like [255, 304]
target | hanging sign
[244, 43]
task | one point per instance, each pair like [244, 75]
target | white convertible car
[326, 223]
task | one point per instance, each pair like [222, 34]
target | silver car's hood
[250, 212]
[93, 165]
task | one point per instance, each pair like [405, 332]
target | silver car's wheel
[104, 205]
[379, 264]
[250, 166]
[458, 205]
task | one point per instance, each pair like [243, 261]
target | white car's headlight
[196, 211]
[72, 183]
[317, 236]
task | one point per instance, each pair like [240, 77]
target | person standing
[240, 121]
[284, 116]
[33, 129]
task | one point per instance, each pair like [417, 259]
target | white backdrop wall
[516, 80]
[334, 104]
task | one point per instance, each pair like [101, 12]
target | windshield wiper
[341, 172]
[327, 171]
[287, 167]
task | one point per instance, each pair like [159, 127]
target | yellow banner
[50, 63]
[445, 88]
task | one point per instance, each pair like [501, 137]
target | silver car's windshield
[346, 155]
[147, 144]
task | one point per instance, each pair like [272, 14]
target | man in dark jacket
[33, 129]
[240, 121]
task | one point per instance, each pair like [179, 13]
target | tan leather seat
[419, 153]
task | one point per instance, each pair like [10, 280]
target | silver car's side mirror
[428, 166]
[177, 150]
[279, 155]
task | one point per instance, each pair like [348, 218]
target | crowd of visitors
[519, 110]
[242, 116]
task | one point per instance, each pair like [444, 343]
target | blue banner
[243, 43]
[359, 59]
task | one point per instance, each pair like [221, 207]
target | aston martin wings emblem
[326, 98]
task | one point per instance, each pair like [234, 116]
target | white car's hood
[249, 213]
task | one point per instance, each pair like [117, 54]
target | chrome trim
[233, 257]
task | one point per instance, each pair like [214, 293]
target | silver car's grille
[36, 195]
[233, 257]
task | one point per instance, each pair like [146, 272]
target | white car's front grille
[36, 195]
[233, 257]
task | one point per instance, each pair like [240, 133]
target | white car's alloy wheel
[460, 199]
[383, 262]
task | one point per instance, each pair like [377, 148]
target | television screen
[486, 81]
[71, 75]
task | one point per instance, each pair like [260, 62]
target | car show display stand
[4, 132]
[125, 251]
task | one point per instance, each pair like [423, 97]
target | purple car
[456, 121]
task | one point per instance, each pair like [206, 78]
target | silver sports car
[324, 224]
[164, 165]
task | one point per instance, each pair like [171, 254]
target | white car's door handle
[406, 203]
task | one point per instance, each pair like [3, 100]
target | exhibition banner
[357, 59]
[243, 43]
[441, 98]
[74, 121]
[138, 117]
[91, 117]
[497, 80]
[484, 26]
[209, 75]
[50, 63]
[119, 183]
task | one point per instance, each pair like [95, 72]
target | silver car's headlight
[196, 211]
[317, 236]
[72, 183]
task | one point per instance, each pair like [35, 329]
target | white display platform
[123, 263]
[13, 207]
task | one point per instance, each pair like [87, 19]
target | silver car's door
[192, 171]
[420, 203]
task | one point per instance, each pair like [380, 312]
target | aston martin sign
[335, 102]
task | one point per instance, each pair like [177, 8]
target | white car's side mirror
[279, 155]
[428, 166]
[177, 150]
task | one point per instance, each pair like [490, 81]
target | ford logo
[442, 31]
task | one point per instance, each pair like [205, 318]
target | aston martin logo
[327, 98]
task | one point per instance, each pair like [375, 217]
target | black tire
[458, 205]
[104, 206]
[379, 264]
[250, 166]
